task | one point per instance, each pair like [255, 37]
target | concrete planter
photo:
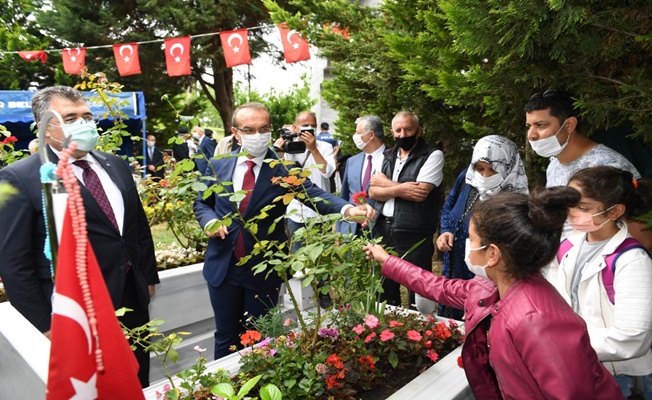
[444, 380]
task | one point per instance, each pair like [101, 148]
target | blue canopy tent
[16, 116]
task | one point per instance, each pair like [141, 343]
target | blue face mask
[83, 132]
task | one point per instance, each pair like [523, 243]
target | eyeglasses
[249, 131]
[547, 93]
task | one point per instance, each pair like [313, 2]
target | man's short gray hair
[372, 123]
[412, 115]
[254, 106]
[42, 99]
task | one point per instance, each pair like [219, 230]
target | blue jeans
[627, 382]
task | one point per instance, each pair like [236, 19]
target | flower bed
[349, 356]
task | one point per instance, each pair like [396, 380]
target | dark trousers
[138, 317]
[401, 242]
[234, 302]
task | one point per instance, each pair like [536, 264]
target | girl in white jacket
[620, 331]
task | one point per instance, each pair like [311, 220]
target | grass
[162, 234]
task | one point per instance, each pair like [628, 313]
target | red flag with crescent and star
[126, 58]
[74, 60]
[177, 56]
[34, 55]
[235, 45]
[295, 48]
[74, 372]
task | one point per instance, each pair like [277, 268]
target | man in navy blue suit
[205, 148]
[235, 292]
[368, 138]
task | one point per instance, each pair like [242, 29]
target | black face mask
[406, 143]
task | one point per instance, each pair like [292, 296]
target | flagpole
[51, 185]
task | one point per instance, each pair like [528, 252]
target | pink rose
[371, 321]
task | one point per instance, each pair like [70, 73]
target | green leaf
[199, 186]
[392, 358]
[289, 383]
[246, 388]
[223, 390]
[173, 355]
[270, 392]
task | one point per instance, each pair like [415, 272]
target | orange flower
[249, 338]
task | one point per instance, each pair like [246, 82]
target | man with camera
[301, 145]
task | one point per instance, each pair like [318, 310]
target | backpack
[609, 272]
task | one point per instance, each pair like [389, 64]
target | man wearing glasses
[117, 226]
[236, 293]
[552, 130]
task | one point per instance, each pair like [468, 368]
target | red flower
[358, 329]
[368, 361]
[395, 323]
[331, 382]
[432, 355]
[250, 337]
[359, 198]
[10, 139]
[459, 362]
[369, 337]
[164, 183]
[335, 361]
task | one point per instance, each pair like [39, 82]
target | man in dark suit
[121, 238]
[154, 157]
[205, 148]
[181, 151]
[368, 138]
[235, 290]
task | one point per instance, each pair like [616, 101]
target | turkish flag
[177, 56]
[126, 58]
[74, 371]
[74, 60]
[294, 47]
[235, 45]
[34, 55]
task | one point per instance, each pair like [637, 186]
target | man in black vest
[407, 196]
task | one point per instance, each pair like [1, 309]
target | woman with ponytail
[523, 340]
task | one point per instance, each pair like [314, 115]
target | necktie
[93, 184]
[151, 153]
[248, 185]
[367, 174]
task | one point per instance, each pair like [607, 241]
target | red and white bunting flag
[294, 47]
[177, 56]
[126, 58]
[34, 55]
[73, 372]
[74, 60]
[235, 45]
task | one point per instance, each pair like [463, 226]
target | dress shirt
[110, 188]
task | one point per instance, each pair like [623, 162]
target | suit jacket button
[481, 303]
[122, 268]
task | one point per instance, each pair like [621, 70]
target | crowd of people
[553, 283]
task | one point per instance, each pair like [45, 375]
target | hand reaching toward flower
[376, 252]
[361, 214]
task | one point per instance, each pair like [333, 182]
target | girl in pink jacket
[523, 340]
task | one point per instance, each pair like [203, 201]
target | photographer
[316, 152]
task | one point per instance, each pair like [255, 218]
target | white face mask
[256, 143]
[195, 135]
[150, 143]
[489, 183]
[549, 147]
[478, 270]
[359, 143]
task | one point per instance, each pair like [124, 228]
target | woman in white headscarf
[495, 167]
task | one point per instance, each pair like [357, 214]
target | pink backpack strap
[609, 272]
[564, 247]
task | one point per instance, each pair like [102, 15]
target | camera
[291, 145]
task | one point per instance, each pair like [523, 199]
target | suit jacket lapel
[262, 185]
